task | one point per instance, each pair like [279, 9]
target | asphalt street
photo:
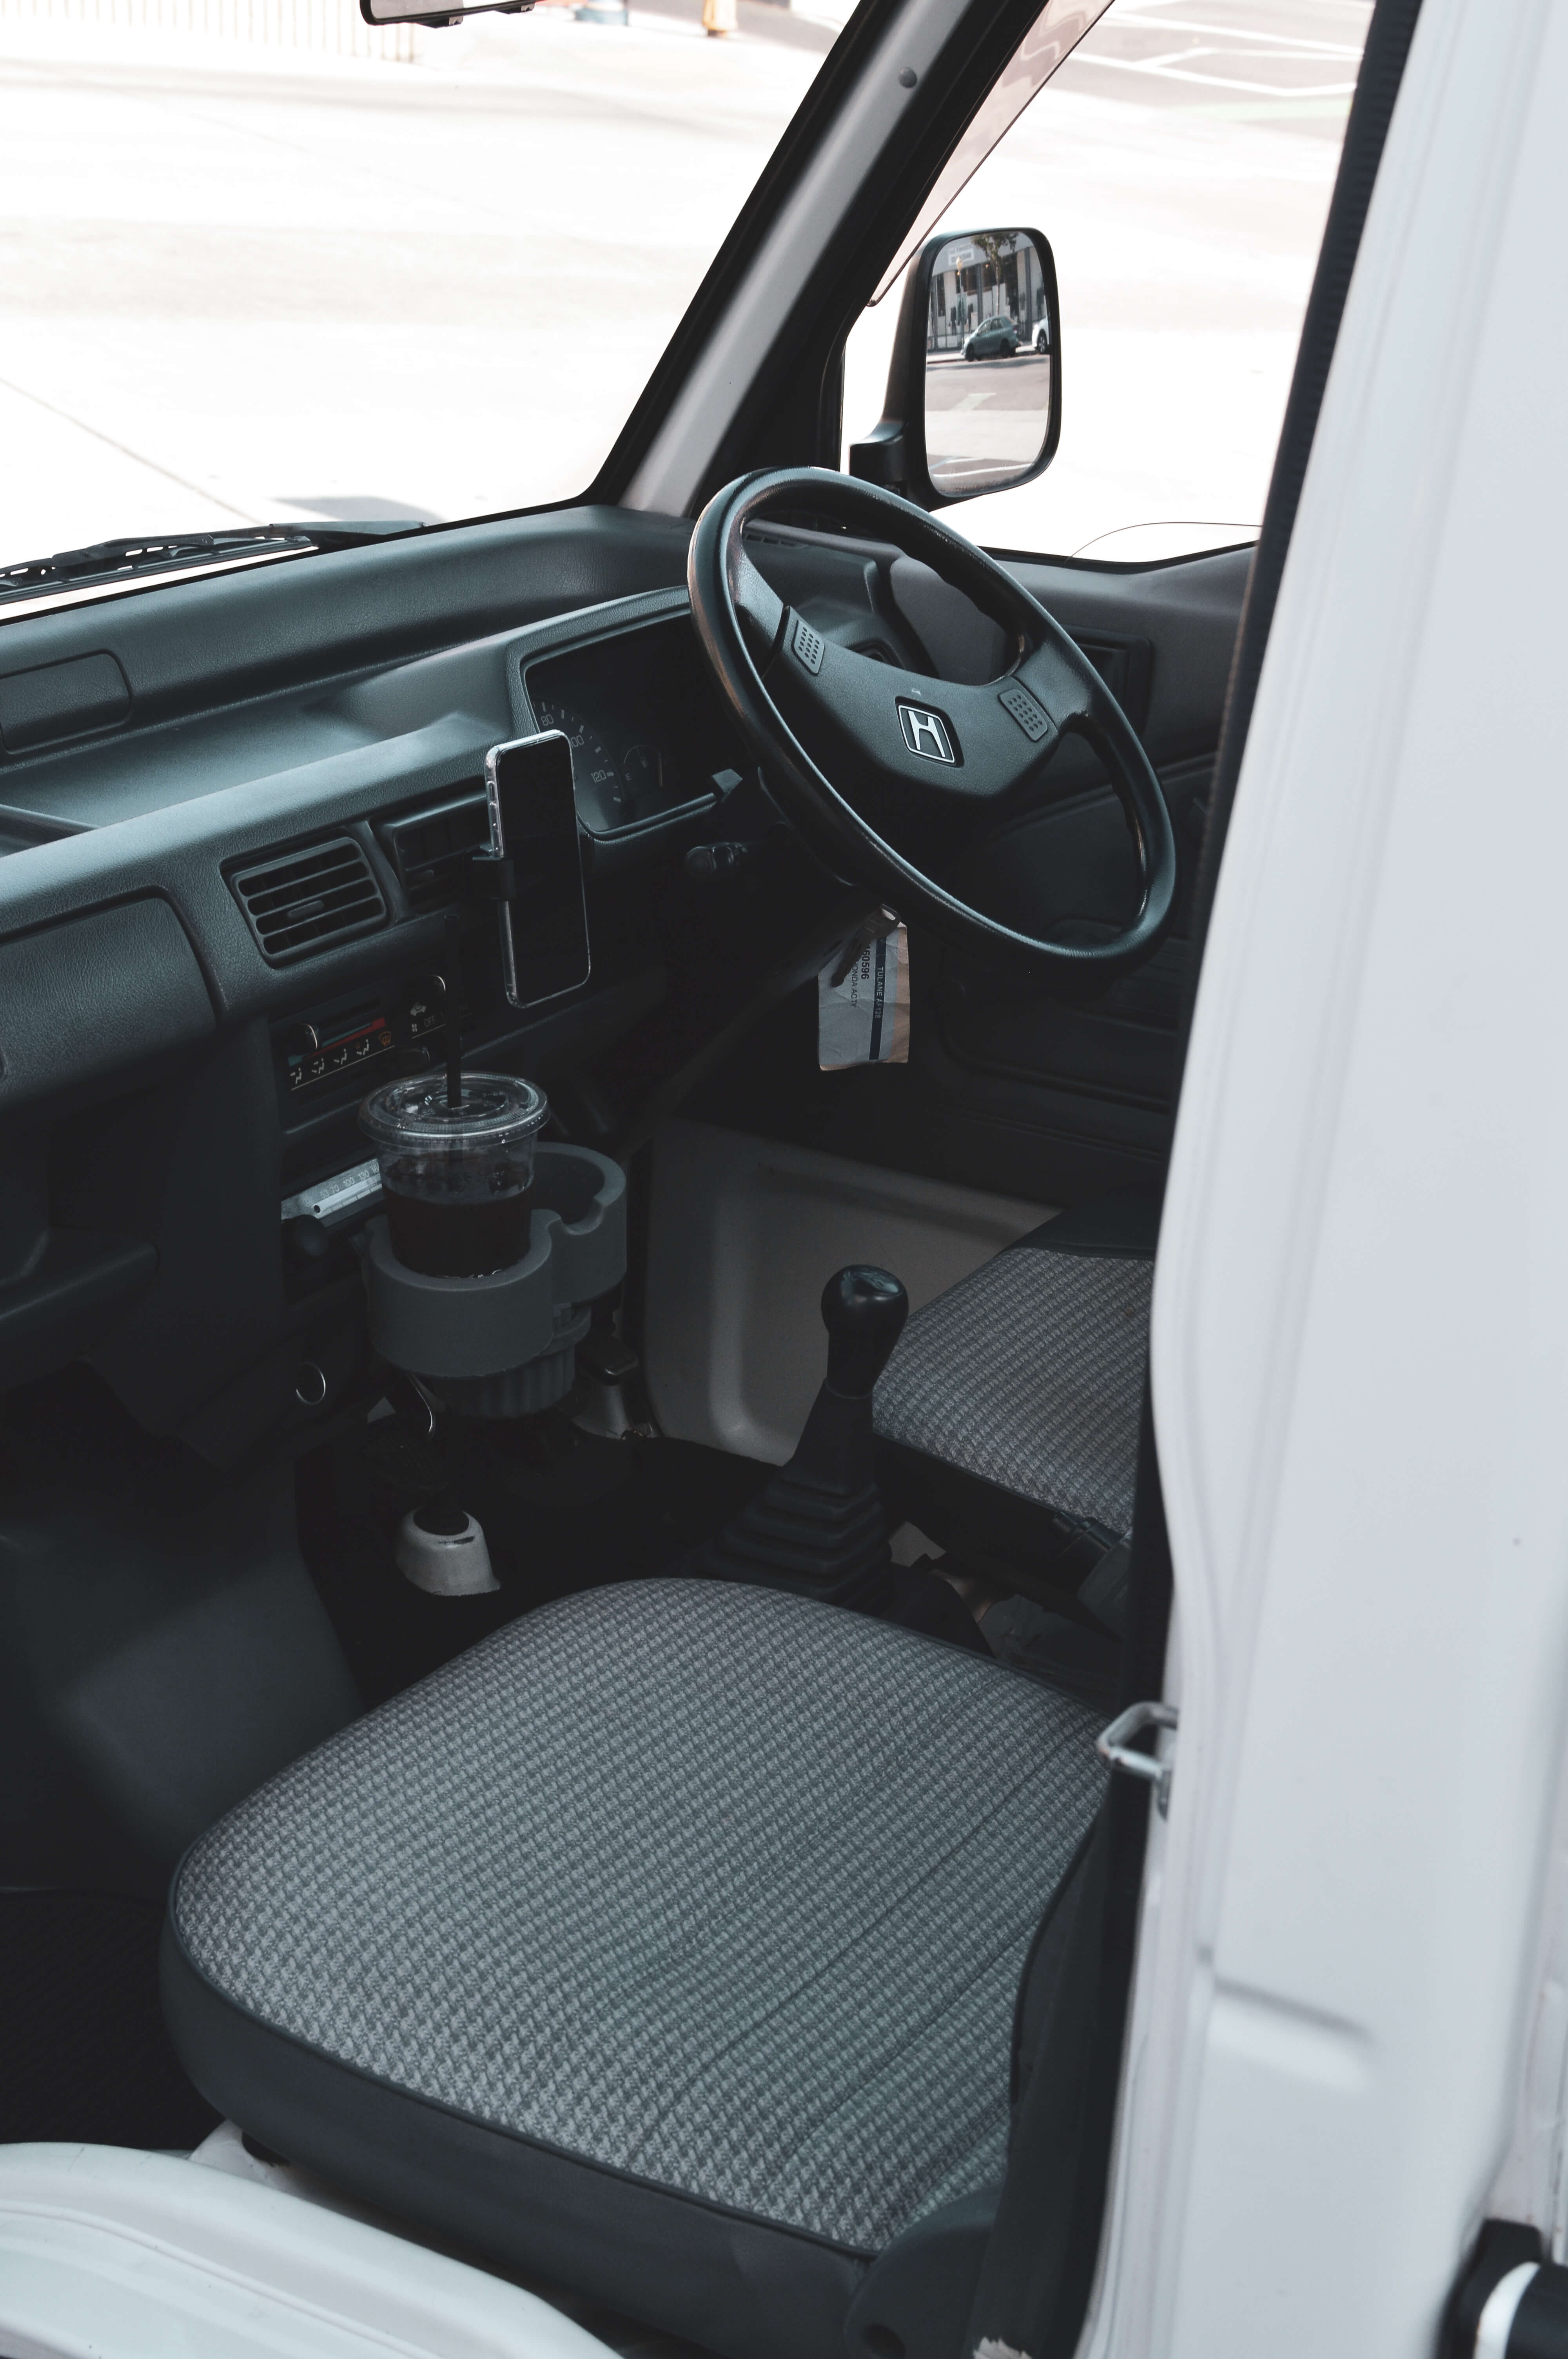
[239, 283]
[985, 420]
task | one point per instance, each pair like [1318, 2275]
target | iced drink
[457, 1181]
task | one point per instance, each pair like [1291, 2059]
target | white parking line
[1167, 70]
[1297, 44]
[1245, 58]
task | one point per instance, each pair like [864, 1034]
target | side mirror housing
[439, 12]
[974, 392]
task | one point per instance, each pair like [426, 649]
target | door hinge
[1115, 1745]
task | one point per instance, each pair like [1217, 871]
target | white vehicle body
[1347, 2046]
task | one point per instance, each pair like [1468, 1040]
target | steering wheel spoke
[893, 771]
[1055, 682]
[929, 749]
[759, 610]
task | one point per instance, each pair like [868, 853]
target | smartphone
[532, 823]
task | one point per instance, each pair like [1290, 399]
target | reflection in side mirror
[974, 396]
[990, 356]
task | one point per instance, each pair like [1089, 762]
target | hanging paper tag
[862, 1003]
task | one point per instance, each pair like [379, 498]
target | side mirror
[974, 393]
[439, 12]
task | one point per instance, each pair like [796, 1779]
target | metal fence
[333, 27]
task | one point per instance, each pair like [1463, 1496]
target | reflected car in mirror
[992, 340]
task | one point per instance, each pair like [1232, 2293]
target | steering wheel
[902, 753]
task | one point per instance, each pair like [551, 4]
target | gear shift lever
[817, 1526]
[863, 1311]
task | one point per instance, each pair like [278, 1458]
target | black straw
[454, 1037]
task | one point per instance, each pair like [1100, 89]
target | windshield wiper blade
[108, 564]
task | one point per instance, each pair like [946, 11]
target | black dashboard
[234, 822]
[655, 757]
[217, 929]
[303, 842]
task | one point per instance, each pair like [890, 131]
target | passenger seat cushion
[714, 1896]
[1028, 1375]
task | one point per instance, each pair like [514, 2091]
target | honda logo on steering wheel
[927, 733]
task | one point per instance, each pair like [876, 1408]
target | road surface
[985, 420]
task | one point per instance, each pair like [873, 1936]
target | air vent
[304, 900]
[432, 848]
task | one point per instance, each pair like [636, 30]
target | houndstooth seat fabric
[1028, 1375]
[669, 1938]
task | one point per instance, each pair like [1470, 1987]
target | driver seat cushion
[1025, 1380]
[666, 1945]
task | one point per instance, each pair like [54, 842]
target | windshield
[261, 264]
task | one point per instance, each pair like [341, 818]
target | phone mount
[505, 1344]
[492, 876]
[489, 878]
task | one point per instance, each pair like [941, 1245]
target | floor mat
[561, 1511]
[83, 2053]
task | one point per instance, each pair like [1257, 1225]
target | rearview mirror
[974, 393]
[420, 12]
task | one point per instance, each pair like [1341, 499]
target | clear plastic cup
[457, 1181]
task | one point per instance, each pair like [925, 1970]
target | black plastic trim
[1040, 2267]
[1117, 565]
[67, 1299]
[1502, 2246]
[749, 2286]
[198, 645]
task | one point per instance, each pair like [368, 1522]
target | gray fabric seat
[1021, 1388]
[666, 1945]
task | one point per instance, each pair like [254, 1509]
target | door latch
[1115, 1745]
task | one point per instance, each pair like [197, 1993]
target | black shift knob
[863, 1311]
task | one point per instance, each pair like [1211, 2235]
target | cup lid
[493, 1111]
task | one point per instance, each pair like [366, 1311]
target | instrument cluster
[647, 731]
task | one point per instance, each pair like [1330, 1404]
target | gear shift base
[817, 1526]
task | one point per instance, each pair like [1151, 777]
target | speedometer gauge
[595, 776]
[643, 773]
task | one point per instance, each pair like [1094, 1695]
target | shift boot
[817, 1526]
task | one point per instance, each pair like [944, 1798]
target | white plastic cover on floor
[106, 2252]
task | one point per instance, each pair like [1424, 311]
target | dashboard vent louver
[433, 847]
[305, 900]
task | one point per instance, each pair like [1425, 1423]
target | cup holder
[505, 1345]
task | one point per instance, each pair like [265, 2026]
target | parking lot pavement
[243, 284]
[236, 283]
[1021, 381]
[1284, 62]
[984, 419]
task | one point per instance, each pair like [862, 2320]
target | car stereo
[354, 1042]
